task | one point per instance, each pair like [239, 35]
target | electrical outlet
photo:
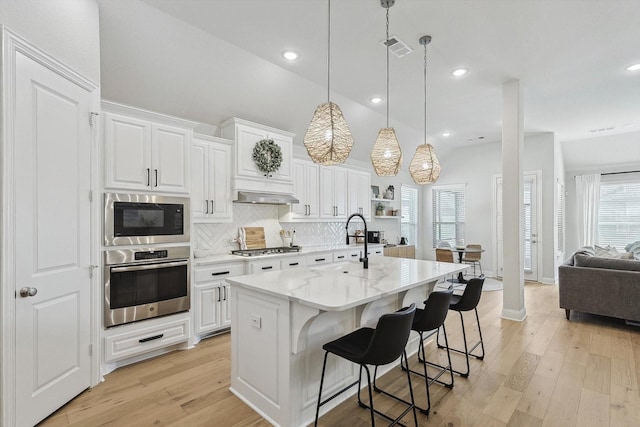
[256, 321]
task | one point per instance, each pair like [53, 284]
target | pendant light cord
[329, 52]
[425, 93]
[387, 44]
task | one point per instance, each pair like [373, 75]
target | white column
[512, 201]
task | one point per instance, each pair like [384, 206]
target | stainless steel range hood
[265, 198]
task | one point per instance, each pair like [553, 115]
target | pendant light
[386, 155]
[425, 167]
[328, 139]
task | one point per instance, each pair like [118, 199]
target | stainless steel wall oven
[145, 219]
[144, 283]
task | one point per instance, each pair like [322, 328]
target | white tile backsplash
[218, 237]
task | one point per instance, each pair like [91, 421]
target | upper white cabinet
[333, 192]
[245, 174]
[145, 151]
[359, 190]
[210, 179]
[306, 190]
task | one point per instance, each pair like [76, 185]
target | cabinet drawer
[218, 272]
[321, 258]
[120, 346]
[293, 262]
[346, 255]
[264, 266]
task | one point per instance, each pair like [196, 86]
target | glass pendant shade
[386, 155]
[424, 167]
[328, 139]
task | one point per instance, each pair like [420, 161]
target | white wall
[615, 153]
[476, 167]
[66, 29]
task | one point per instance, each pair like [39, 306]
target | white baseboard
[548, 280]
[517, 315]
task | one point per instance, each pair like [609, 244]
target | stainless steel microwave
[145, 219]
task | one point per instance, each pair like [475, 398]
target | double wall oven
[150, 281]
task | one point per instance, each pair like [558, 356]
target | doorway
[531, 214]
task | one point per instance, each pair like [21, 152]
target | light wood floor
[545, 371]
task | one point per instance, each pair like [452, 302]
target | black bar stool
[466, 302]
[427, 323]
[379, 346]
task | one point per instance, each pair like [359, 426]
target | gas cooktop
[267, 251]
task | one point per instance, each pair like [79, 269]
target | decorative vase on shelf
[380, 209]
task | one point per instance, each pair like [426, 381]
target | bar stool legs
[467, 351]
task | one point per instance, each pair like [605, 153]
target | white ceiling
[569, 55]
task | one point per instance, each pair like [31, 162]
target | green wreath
[267, 156]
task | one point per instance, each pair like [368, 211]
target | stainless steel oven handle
[148, 266]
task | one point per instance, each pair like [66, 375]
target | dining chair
[473, 258]
[445, 255]
[379, 346]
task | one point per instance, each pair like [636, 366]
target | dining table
[461, 250]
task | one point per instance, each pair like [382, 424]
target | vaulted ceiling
[209, 60]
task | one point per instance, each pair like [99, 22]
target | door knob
[28, 292]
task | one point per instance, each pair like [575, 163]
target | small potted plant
[379, 209]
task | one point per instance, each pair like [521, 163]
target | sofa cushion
[581, 260]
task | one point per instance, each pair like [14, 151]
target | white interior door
[530, 223]
[52, 153]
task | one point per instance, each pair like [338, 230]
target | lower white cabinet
[262, 266]
[212, 310]
[319, 258]
[293, 262]
[136, 338]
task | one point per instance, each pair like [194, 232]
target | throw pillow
[624, 255]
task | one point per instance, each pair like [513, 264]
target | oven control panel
[151, 255]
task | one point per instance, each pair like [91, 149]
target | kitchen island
[281, 319]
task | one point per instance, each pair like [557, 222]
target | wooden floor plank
[544, 371]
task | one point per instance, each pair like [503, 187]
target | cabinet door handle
[148, 177]
[206, 202]
[308, 209]
[213, 206]
[378, 252]
[293, 263]
[155, 171]
[155, 337]
[220, 273]
[354, 255]
[224, 288]
[320, 259]
[219, 293]
[340, 256]
[268, 267]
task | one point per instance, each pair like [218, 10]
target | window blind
[409, 211]
[619, 213]
[560, 238]
[448, 215]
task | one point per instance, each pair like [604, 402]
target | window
[448, 214]
[409, 210]
[560, 237]
[619, 212]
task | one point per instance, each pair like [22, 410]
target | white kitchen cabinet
[245, 175]
[305, 188]
[333, 192]
[210, 180]
[358, 194]
[293, 262]
[145, 151]
[137, 338]
[319, 258]
[264, 265]
[212, 296]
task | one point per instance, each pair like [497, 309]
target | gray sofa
[598, 285]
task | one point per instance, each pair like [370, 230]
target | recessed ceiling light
[375, 100]
[290, 55]
[446, 134]
[459, 72]
[634, 67]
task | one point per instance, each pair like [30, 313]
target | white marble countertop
[306, 250]
[340, 286]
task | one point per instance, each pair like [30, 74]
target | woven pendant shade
[424, 167]
[386, 155]
[328, 139]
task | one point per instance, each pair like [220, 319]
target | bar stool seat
[466, 302]
[376, 347]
